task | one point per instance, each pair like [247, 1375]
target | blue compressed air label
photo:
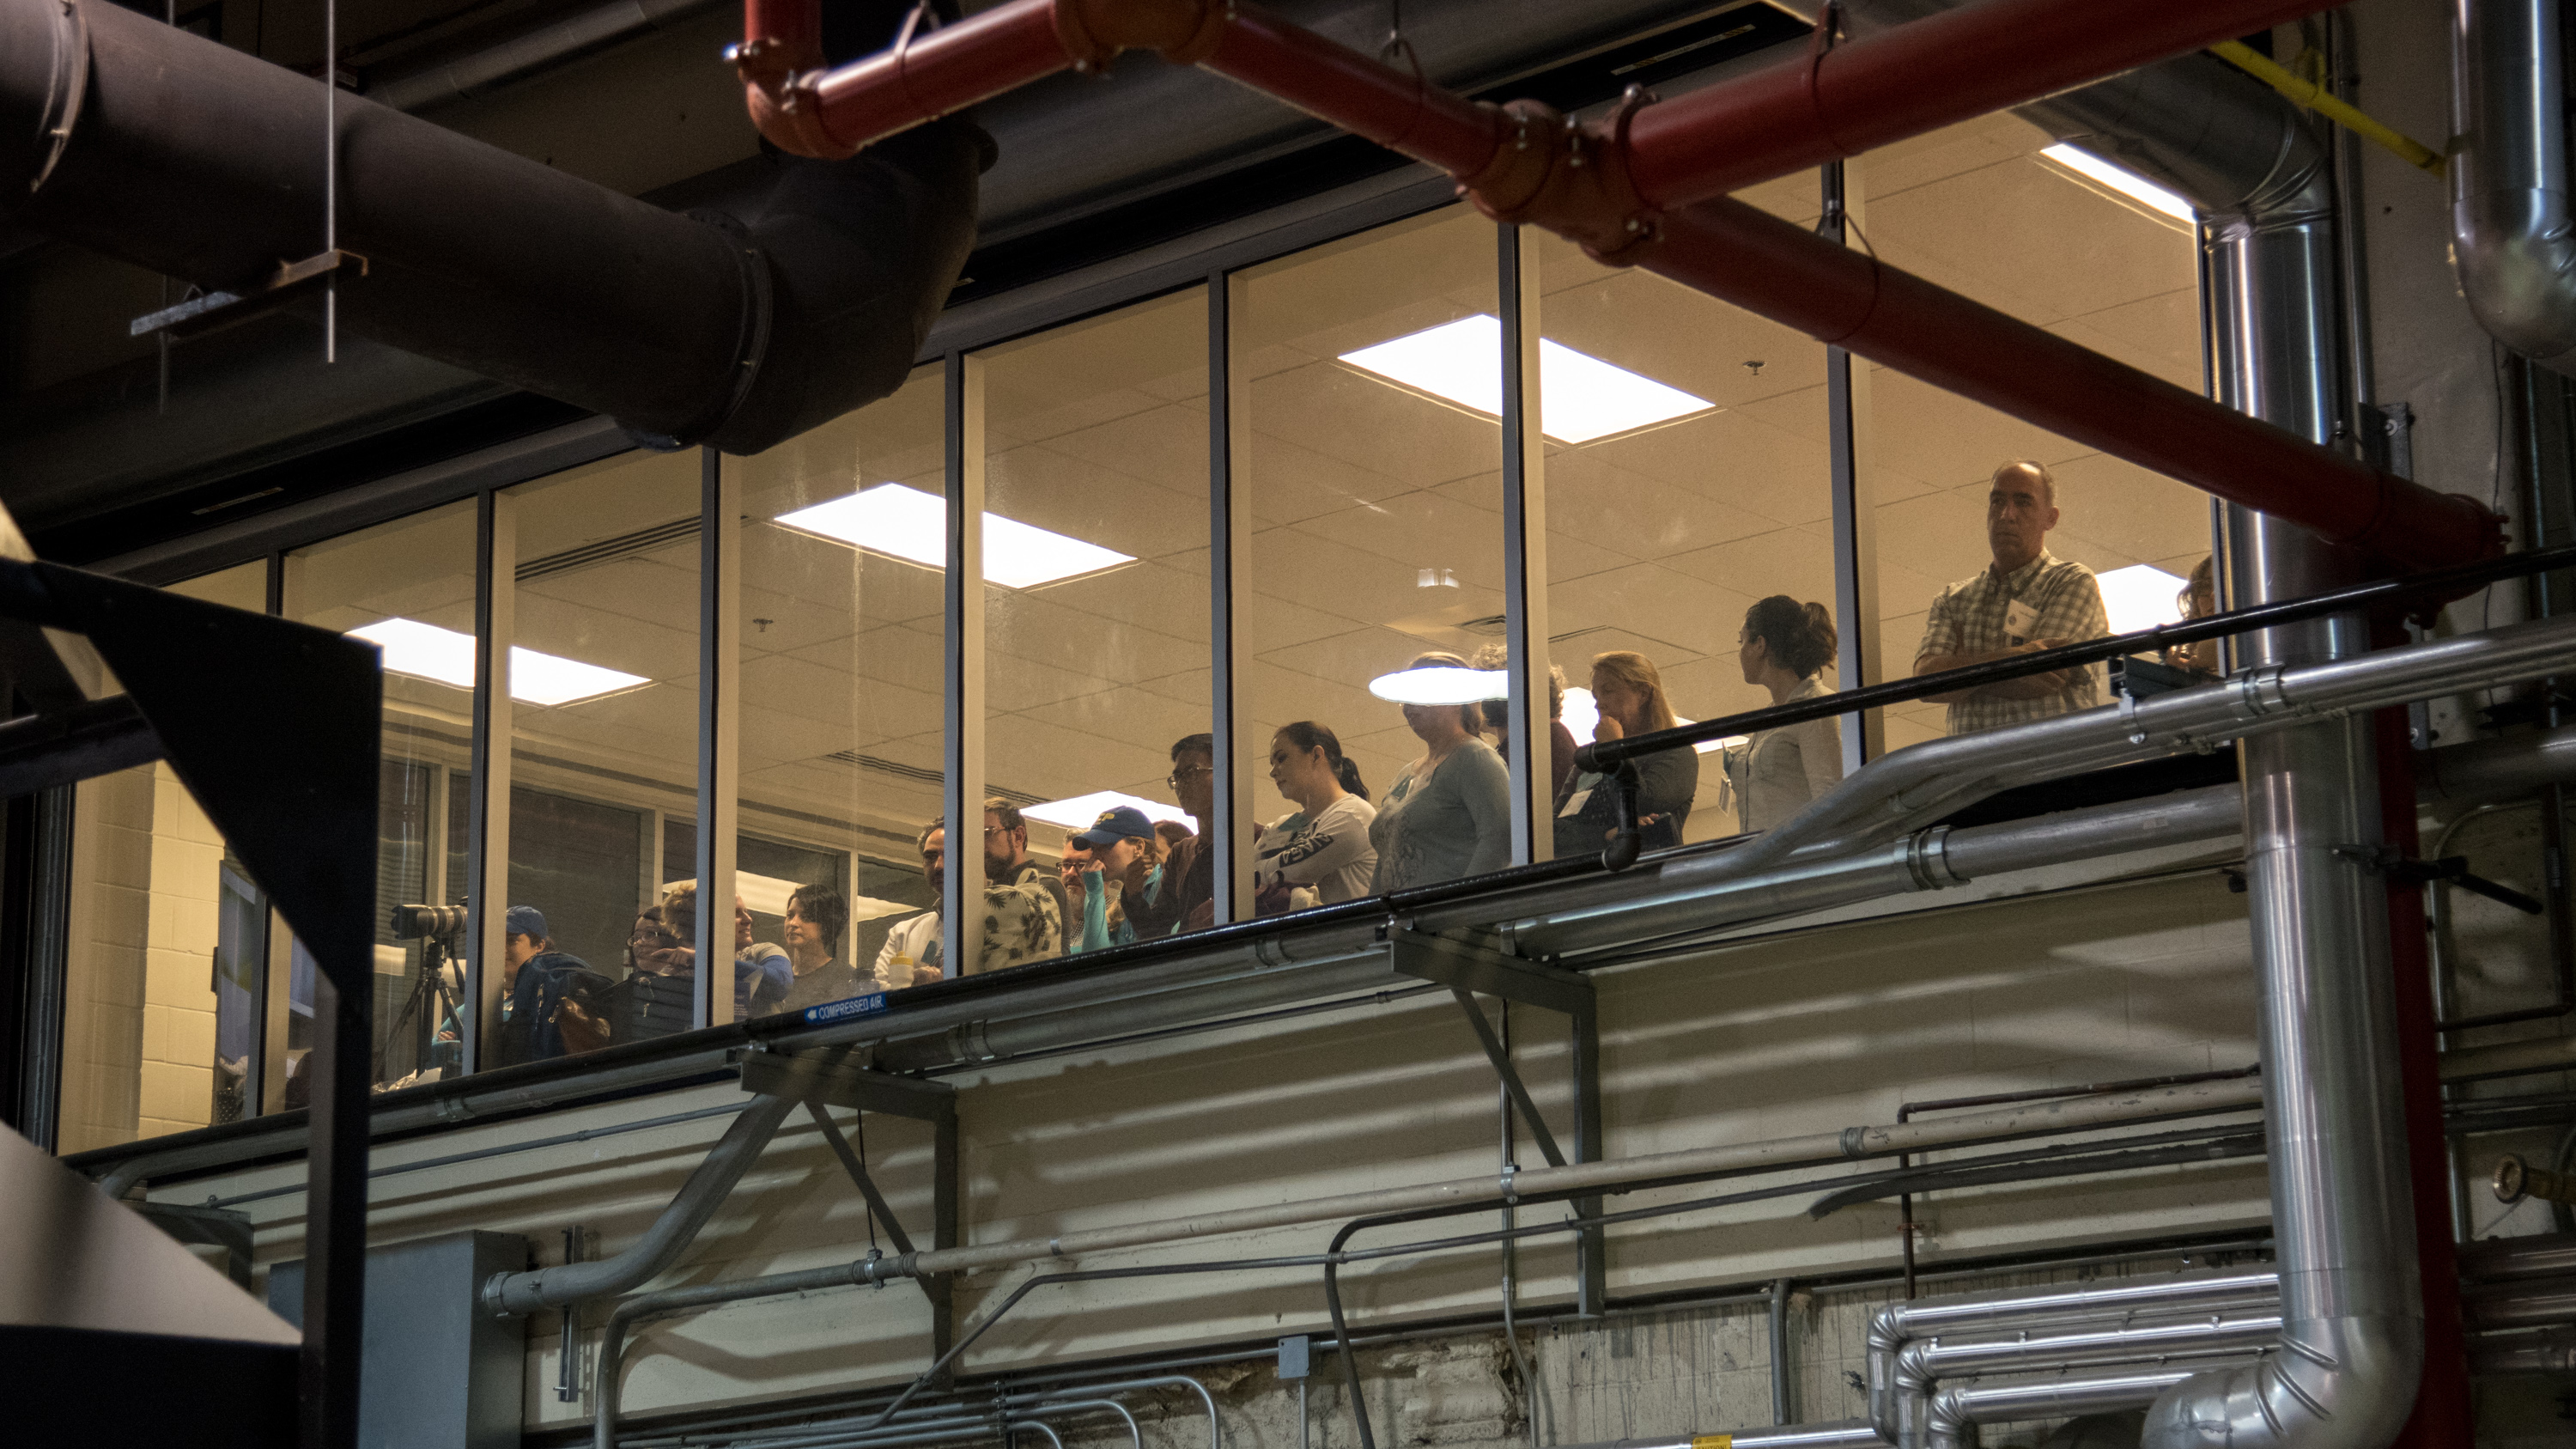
[831, 1011]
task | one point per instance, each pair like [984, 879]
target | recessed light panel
[1081, 811]
[1442, 684]
[1581, 397]
[444, 656]
[2140, 596]
[2126, 182]
[911, 525]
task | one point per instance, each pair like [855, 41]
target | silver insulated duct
[2513, 236]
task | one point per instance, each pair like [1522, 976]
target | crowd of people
[1445, 815]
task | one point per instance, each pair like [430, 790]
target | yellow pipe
[2316, 98]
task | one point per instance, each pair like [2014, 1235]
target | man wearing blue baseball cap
[543, 1015]
[1119, 875]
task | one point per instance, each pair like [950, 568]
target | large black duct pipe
[738, 329]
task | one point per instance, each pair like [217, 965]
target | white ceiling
[1657, 540]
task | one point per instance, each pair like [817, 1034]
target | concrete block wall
[104, 970]
[139, 1023]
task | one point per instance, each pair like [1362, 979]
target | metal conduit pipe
[2513, 228]
[1000, 1419]
[511, 1294]
[1917, 785]
[1702, 894]
[180, 155]
[2547, 1256]
[1924, 1363]
[2520, 1303]
[1958, 1410]
[1898, 1326]
[1844, 1434]
[2496, 769]
[2550, 1352]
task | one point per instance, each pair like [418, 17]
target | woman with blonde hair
[1774, 773]
[1449, 813]
[1628, 691]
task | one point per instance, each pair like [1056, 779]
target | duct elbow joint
[2515, 254]
[2339, 1383]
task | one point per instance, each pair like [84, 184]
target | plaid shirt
[1970, 617]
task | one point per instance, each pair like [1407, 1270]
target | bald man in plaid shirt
[2027, 600]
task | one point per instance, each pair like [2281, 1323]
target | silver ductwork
[2513, 233]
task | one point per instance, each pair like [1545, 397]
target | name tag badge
[1574, 805]
[2019, 620]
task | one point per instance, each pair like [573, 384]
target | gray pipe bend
[2513, 235]
[1922, 1364]
[509, 1295]
[1898, 1324]
[1956, 1410]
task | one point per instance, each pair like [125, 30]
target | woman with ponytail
[1785, 644]
[1322, 852]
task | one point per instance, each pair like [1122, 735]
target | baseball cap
[1124, 823]
[525, 921]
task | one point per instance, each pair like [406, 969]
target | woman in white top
[1320, 854]
[1776, 772]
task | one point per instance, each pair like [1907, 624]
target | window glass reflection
[842, 635]
[603, 754]
[1679, 541]
[1373, 376]
[1096, 740]
[409, 587]
[1994, 535]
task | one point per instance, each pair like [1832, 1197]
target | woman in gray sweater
[1449, 813]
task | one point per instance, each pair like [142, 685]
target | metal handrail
[1604, 755]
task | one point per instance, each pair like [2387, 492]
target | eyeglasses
[1186, 772]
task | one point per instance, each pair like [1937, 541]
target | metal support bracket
[1467, 969]
[216, 311]
[2454, 869]
[832, 1078]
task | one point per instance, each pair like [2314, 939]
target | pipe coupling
[1183, 32]
[1927, 860]
[2259, 692]
[65, 89]
[1553, 171]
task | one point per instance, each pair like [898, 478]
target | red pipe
[1526, 164]
[1784, 272]
[1913, 78]
[2442, 1415]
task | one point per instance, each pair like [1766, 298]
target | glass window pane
[2084, 260]
[162, 1018]
[603, 754]
[842, 636]
[1096, 629]
[1374, 379]
[409, 586]
[1689, 500]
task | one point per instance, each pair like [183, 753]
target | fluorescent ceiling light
[911, 525]
[1442, 684]
[1580, 396]
[2128, 183]
[1081, 811]
[444, 656]
[2140, 596]
[1581, 716]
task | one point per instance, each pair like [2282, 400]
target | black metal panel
[96, 1386]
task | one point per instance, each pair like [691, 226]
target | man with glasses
[1024, 908]
[1192, 867]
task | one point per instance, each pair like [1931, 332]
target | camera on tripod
[428, 923]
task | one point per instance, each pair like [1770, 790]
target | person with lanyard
[2025, 601]
[912, 950]
[1116, 868]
